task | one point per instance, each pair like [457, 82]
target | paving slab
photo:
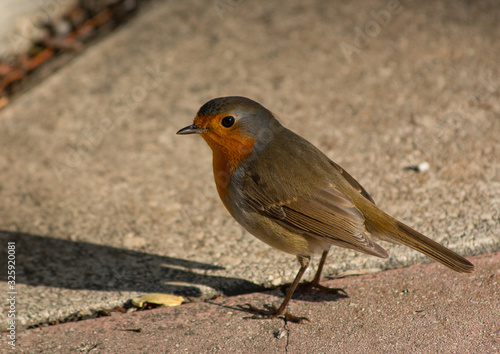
[420, 309]
[106, 203]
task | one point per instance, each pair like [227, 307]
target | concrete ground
[106, 203]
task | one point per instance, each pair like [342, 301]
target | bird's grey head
[251, 117]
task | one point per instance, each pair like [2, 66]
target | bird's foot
[316, 285]
[307, 286]
[273, 312]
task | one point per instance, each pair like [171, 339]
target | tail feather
[414, 239]
[396, 232]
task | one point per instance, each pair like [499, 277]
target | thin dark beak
[191, 129]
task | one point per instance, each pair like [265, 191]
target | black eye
[227, 121]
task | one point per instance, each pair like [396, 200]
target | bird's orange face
[229, 143]
[224, 135]
[232, 127]
[223, 131]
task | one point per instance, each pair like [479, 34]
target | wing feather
[328, 215]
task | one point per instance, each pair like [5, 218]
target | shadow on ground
[47, 261]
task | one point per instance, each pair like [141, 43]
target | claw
[326, 289]
[295, 319]
[272, 312]
[312, 285]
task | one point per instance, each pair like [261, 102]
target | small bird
[287, 193]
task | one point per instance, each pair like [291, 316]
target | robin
[287, 193]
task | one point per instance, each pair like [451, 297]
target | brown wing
[355, 184]
[327, 214]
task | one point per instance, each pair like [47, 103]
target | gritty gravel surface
[105, 202]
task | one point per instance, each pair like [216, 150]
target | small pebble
[280, 334]
[421, 167]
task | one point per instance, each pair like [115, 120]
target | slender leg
[317, 277]
[281, 311]
[314, 284]
[304, 263]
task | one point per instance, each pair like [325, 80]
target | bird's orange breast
[228, 153]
